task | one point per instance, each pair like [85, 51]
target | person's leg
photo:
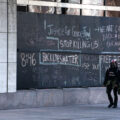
[108, 90]
[115, 96]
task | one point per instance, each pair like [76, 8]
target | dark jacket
[112, 74]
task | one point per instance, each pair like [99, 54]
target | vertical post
[3, 46]
[80, 9]
[12, 45]
[104, 5]
[7, 44]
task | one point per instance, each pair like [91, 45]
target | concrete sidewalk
[76, 112]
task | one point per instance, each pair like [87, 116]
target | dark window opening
[22, 8]
[104, 10]
[64, 10]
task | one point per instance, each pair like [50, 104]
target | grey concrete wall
[8, 46]
[53, 97]
[90, 95]
[3, 45]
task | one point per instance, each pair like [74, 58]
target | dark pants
[115, 89]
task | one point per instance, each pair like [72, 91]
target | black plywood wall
[57, 51]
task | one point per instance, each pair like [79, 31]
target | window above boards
[107, 8]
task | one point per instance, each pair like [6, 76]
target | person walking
[112, 80]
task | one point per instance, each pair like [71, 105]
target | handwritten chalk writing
[76, 44]
[90, 58]
[108, 29]
[84, 33]
[113, 44]
[117, 28]
[54, 31]
[73, 68]
[28, 59]
[52, 38]
[60, 58]
[90, 66]
[86, 66]
[65, 43]
[107, 58]
[90, 62]
[95, 66]
[74, 31]
[80, 37]
[92, 76]
[109, 36]
[102, 29]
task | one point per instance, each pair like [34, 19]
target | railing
[68, 5]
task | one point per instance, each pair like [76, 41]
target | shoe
[115, 106]
[110, 105]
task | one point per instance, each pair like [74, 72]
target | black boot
[110, 105]
[114, 106]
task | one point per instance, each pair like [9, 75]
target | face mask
[113, 65]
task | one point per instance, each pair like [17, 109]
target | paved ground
[81, 112]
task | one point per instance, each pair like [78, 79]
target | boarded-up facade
[113, 3]
[84, 12]
[58, 10]
[93, 12]
[39, 9]
[74, 11]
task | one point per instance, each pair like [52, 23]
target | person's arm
[118, 75]
[106, 78]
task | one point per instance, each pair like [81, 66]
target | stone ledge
[52, 97]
